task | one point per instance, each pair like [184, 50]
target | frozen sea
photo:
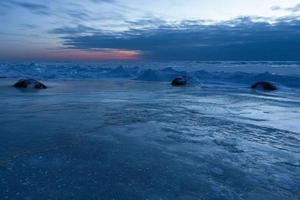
[121, 131]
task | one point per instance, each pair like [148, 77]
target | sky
[150, 30]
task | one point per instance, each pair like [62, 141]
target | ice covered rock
[149, 75]
[179, 81]
[120, 72]
[169, 69]
[29, 83]
[263, 85]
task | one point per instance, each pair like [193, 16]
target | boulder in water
[263, 85]
[179, 81]
[29, 83]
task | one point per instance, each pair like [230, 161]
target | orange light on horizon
[77, 55]
[96, 55]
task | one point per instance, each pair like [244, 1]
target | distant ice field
[285, 74]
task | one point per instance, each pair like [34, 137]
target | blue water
[126, 139]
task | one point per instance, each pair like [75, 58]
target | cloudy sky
[150, 30]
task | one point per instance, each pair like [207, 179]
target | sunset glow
[94, 55]
[78, 55]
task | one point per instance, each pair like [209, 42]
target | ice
[98, 133]
[284, 74]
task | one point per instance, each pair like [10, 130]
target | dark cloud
[103, 1]
[39, 9]
[79, 29]
[30, 6]
[239, 39]
[78, 14]
[295, 9]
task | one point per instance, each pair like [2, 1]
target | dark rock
[29, 83]
[263, 85]
[179, 81]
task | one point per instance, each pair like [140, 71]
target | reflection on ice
[138, 140]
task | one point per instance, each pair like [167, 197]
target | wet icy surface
[120, 139]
